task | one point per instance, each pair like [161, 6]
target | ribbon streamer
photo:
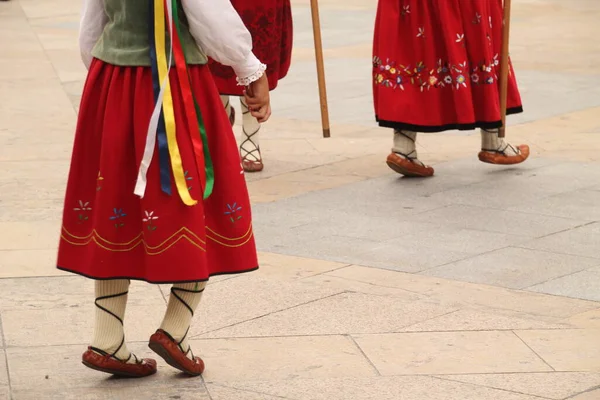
[162, 123]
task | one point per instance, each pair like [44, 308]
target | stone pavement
[481, 283]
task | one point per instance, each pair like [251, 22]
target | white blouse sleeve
[220, 32]
[93, 20]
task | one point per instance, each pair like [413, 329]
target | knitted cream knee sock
[250, 147]
[183, 301]
[109, 336]
[405, 145]
[492, 143]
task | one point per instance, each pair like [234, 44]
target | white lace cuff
[246, 81]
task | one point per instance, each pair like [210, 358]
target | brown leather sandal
[171, 351]
[499, 156]
[409, 167]
[102, 361]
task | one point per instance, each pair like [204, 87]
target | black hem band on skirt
[156, 282]
[441, 128]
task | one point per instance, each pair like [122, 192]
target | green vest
[125, 39]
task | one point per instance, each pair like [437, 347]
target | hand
[258, 99]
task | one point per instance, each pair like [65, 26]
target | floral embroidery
[444, 74]
[150, 217]
[460, 37]
[117, 217]
[231, 212]
[421, 33]
[477, 19]
[405, 10]
[99, 180]
[83, 208]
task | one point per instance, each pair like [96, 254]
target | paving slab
[376, 388]
[282, 358]
[255, 297]
[344, 313]
[547, 385]
[48, 327]
[583, 241]
[581, 285]
[485, 319]
[3, 371]
[449, 353]
[455, 292]
[501, 221]
[28, 263]
[566, 350]
[514, 268]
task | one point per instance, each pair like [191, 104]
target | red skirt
[270, 23]
[436, 65]
[108, 232]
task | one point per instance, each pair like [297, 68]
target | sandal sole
[114, 372]
[402, 171]
[165, 355]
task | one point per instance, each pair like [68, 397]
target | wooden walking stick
[504, 67]
[316, 21]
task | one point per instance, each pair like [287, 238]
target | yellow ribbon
[169, 114]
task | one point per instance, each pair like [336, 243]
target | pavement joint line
[250, 391]
[7, 365]
[528, 288]
[470, 256]
[534, 352]
[569, 229]
[470, 283]
[324, 272]
[489, 387]
[353, 340]
[522, 246]
[270, 313]
[584, 392]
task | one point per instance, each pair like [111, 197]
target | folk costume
[436, 65]
[270, 23]
[156, 191]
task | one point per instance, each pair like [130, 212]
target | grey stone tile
[360, 226]
[345, 313]
[450, 238]
[493, 220]
[513, 268]
[580, 204]
[332, 248]
[583, 241]
[396, 256]
[580, 285]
